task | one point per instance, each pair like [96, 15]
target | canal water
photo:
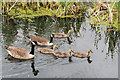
[84, 36]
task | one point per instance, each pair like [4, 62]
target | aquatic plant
[106, 14]
[29, 10]
[100, 13]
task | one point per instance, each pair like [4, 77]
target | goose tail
[28, 36]
[6, 47]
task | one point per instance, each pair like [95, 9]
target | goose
[41, 41]
[61, 35]
[47, 50]
[63, 54]
[21, 53]
[81, 54]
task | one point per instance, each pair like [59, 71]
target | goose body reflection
[21, 53]
[41, 41]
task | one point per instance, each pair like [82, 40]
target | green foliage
[95, 21]
[25, 11]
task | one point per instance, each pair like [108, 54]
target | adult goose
[81, 54]
[63, 54]
[47, 50]
[21, 53]
[61, 35]
[41, 41]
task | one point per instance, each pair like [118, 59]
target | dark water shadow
[9, 31]
[89, 60]
[14, 60]
[35, 72]
[69, 41]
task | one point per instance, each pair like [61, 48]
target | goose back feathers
[40, 40]
[19, 53]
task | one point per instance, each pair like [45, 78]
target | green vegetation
[30, 10]
[100, 13]
[105, 14]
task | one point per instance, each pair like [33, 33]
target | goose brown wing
[80, 54]
[45, 50]
[59, 34]
[62, 54]
[38, 39]
[18, 52]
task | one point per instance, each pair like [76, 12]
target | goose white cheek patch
[33, 43]
[50, 43]
[30, 39]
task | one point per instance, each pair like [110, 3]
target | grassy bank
[99, 12]
[34, 9]
[105, 13]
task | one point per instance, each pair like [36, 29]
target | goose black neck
[51, 39]
[32, 65]
[32, 49]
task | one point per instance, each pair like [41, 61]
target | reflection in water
[35, 72]
[69, 41]
[89, 61]
[25, 27]
[112, 40]
[44, 26]
[14, 60]
[9, 31]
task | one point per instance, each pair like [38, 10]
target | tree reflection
[112, 40]
[14, 60]
[9, 31]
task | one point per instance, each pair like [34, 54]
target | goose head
[69, 32]
[70, 51]
[34, 43]
[52, 35]
[51, 38]
[55, 47]
[89, 50]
